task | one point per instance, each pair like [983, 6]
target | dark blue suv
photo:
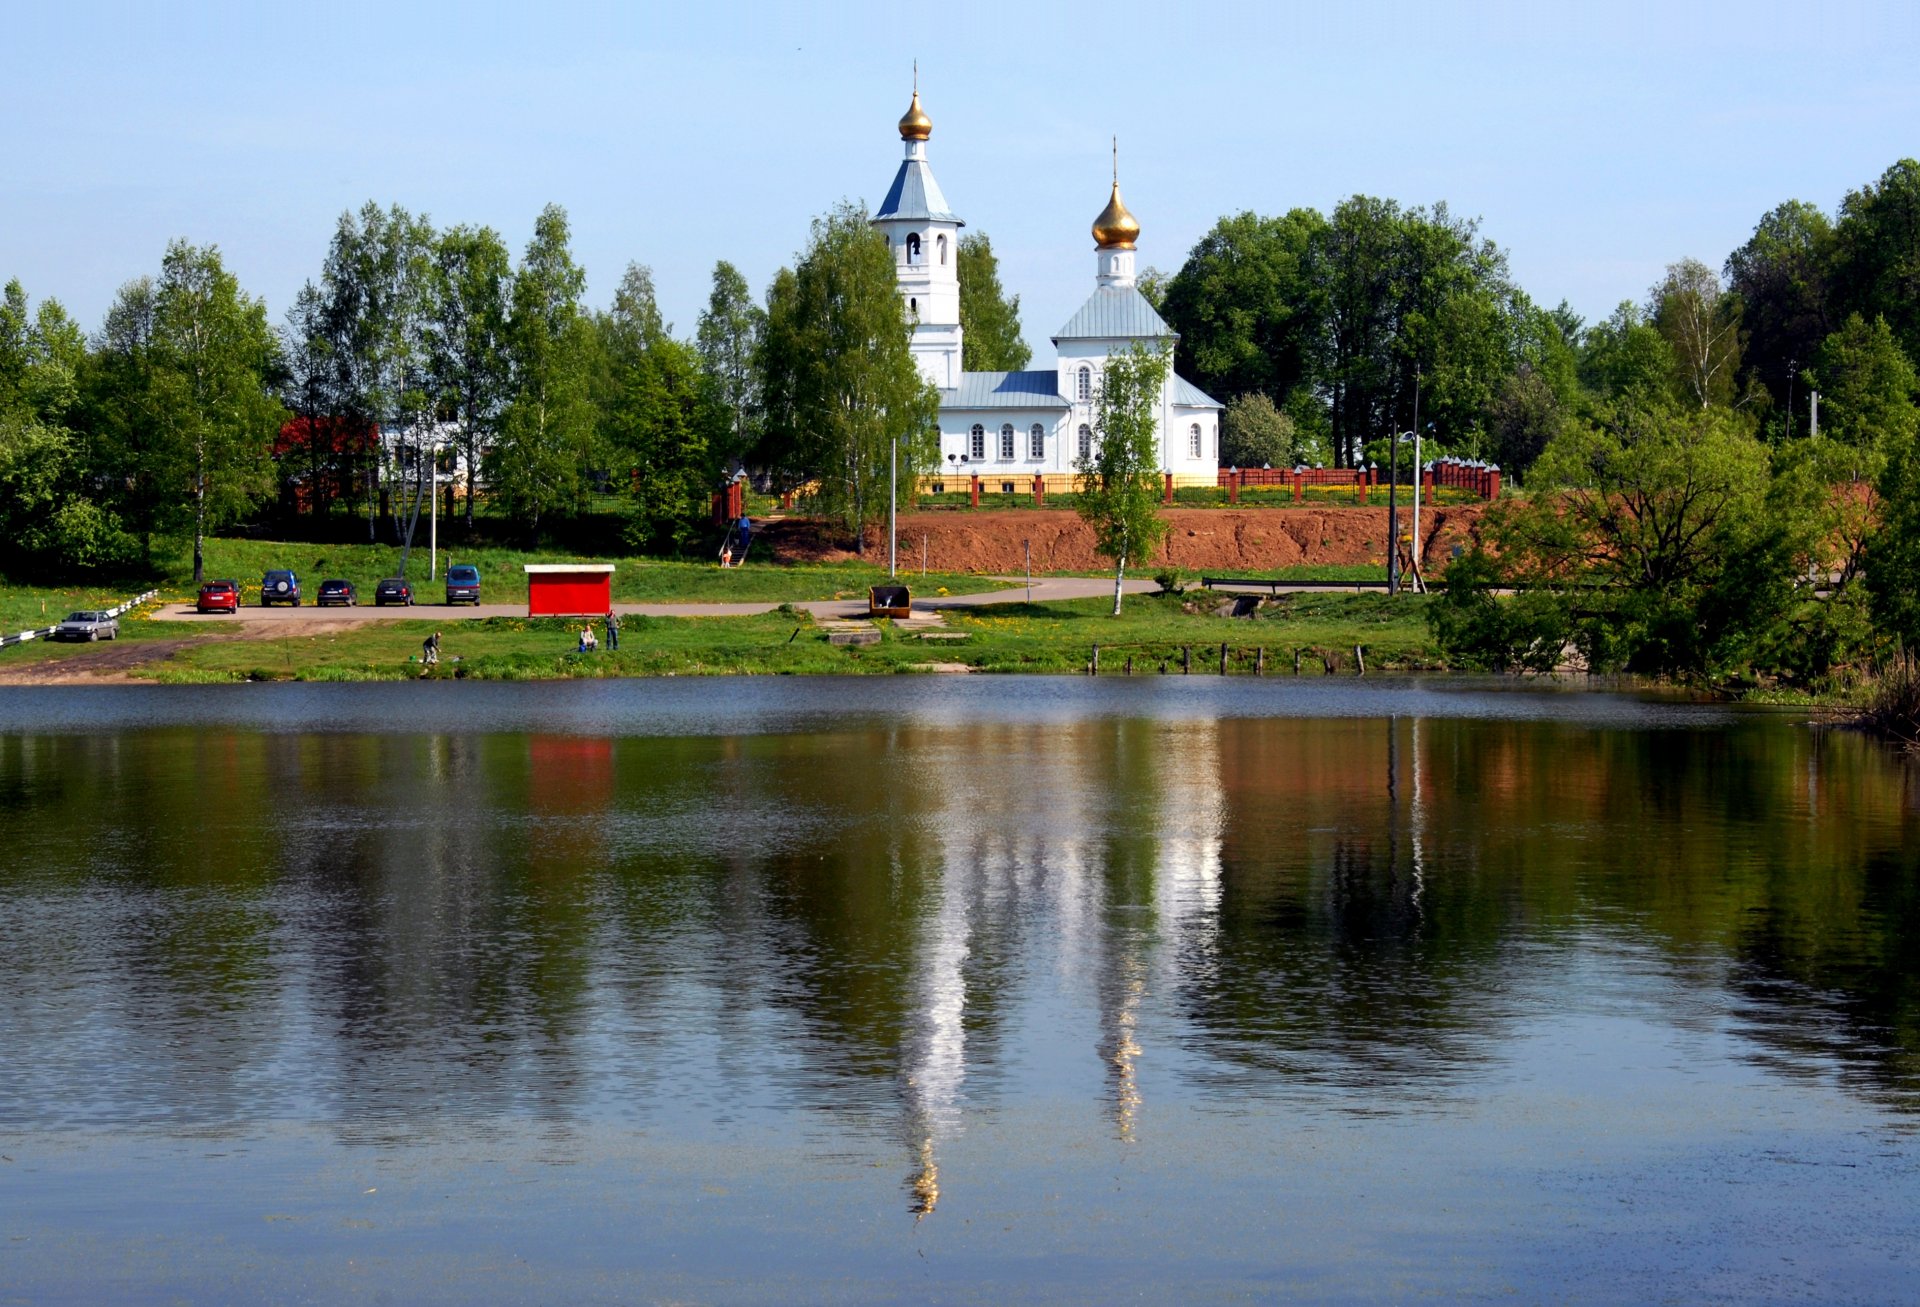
[279, 587]
[463, 584]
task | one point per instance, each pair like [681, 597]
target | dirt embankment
[1200, 539]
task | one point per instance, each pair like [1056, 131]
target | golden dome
[1115, 228]
[914, 123]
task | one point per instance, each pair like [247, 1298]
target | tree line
[419, 350]
[189, 409]
[1325, 333]
[1729, 488]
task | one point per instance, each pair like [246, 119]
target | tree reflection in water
[889, 926]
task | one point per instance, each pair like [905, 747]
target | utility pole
[1393, 513]
[1419, 475]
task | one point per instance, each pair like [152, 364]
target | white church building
[1041, 421]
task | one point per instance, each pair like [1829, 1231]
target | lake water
[952, 989]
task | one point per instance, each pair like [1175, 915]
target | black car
[336, 594]
[393, 590]
[279, 587]
[463, 585]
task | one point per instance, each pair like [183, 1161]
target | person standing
[613, 631]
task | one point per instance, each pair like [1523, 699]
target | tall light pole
[433, 531]
[1393, 513]
[1419, 474]
[893, 505]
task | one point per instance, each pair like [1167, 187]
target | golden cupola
[914, 123]
[1115, 228]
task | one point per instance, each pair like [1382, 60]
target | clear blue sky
[1596, 147]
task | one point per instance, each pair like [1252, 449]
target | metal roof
[1005, 390]
[1191, 396]
[1114, 311]
[916, 196]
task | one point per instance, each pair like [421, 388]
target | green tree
[1877, 256]
[214, 368]
[840, 382]
[1867, 386]
[989, 317]
[377, 282]
[728, 337]
[1253, 433]
[1892, 555]
[1701, 325]
[1120, 488]
[657, 413]
[1625, 360]
[539, 462]
[1677, 550]
[116, 390]
[1248, 313]
[470, 284]
[49, 515]
[1782, 279]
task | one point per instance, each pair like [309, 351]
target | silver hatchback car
[88, 626]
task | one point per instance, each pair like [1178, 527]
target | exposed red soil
[1200, 539]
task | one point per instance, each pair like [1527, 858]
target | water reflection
[894, 926]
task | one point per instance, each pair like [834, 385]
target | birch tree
[212, 403]
[1120, 486]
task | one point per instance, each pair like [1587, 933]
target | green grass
[30, 607]
[1045, 637]
[1314, 572]
[635, 580]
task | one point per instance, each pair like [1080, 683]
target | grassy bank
[635, 580]
[1044, 637]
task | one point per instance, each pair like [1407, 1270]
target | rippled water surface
[968, 989]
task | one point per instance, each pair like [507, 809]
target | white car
[88, 626]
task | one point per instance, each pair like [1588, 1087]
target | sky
[1595, 145]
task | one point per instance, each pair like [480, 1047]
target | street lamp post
[1393, 513]
[893, 505]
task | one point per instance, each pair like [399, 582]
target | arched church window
[1086, 443]
[941, 241]
[1037, 442]
[913, 309]
[977, 443]
[1086, 382]
[1006, 443]
[1193, 440]
[913, 247]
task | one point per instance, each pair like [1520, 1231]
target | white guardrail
[42, 632]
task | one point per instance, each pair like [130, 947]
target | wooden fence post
[1093, 668]
[1223, 660]
[1260, 660]
[1186, 660]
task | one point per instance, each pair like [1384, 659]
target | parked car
[463, 585]
[88, 626]
[279, 587]
[393, 590]
[219, 597]
[336, 594]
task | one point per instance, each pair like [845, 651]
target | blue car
[279, 587]
[463, 584]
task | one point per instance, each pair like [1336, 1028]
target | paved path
[1044, 590]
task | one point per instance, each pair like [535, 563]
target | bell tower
[924, 235]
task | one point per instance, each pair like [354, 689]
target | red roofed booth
[569, 589]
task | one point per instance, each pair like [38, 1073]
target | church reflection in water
[895, 927]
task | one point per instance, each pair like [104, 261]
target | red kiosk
[569, 589]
